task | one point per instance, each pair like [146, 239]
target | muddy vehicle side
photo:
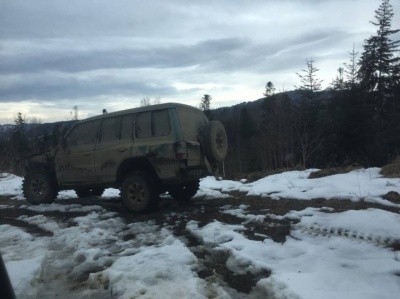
[143, 152]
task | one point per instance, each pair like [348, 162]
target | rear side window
[191, 121]
[110, 129]
[152, 124]
[160, 123]
[126, 126]
[143, 125]
[83, 133]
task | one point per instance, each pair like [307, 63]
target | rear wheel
[86, 192]
[40, 187]
[184, 192]
[139, 192]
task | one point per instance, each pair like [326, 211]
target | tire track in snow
[325, 231]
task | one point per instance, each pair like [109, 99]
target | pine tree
[378, 63]
[18, 135]
[269, 89]
[351, 70]
[18, 147]
[338, 83]
[205, 102]
[309, 80]
[74, 113]
[205, 105]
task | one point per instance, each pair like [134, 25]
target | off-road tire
[214, 141]
[87, 192]
[40, 187]
[140, 192]
[184, 192]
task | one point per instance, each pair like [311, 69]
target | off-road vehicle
[142, 151]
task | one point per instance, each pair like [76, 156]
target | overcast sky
[110, 54]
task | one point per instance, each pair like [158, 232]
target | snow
[309, 266]
[329, 254]
[361, 184]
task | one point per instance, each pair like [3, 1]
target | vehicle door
[75, 160]
[113, 146]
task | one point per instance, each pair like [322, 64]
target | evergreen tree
[247, 128]
[338, 83]
[351, 70]
[205, 102]
[378, 63]
[18, 147]
[74, 113]
[19, 139]
[205, 105]
[309, 80]
[269, 89]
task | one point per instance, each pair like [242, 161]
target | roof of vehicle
[141, 109]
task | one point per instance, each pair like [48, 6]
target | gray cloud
[74, 59]
[57, 50]
[218, 55]
[49, 87]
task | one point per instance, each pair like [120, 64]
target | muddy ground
[174, 216]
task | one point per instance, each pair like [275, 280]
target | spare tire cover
[214, 141]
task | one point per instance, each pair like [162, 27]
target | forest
[356, 120]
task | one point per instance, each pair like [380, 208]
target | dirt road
[174, 216]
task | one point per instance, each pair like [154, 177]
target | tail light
[181, 150]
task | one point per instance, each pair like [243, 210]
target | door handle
[122, 150]
[87, 154]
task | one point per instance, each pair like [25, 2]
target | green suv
[142, 151]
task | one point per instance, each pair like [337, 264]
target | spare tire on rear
[214, 141]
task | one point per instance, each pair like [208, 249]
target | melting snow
[328, 254]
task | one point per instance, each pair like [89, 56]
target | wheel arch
[34, 166]
[135, 164]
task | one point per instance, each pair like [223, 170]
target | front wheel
[184, 192]
[139, 192]
[40, 187]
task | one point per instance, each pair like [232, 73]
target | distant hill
[37, 129]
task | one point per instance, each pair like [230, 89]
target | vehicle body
[142, 151]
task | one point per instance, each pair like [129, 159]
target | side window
[160, 123]
[83, 134]
[110, 129]
[126, 127]
[151, 124]
[143, 125]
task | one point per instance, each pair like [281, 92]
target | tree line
[355, 120]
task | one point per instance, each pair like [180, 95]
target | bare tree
[310, 140]
[145, 102]
[148, 102]
[156, 101]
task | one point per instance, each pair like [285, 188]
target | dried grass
[392, 170]
[333, 170]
